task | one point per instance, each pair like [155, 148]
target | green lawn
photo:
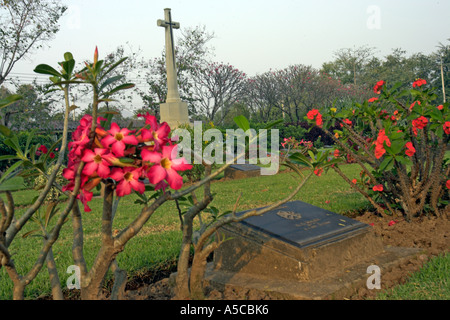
[158, 243]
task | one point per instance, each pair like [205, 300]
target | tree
[349, 64]
[217, 87]
[25, 25]
[28, 112]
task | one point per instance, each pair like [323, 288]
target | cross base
[174, 113]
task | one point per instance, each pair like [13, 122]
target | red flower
[419, 82]
[336, 153]
[354, 181]
[346, 121]
[447, 184]
[373, 99]
[378, 187]
[419, 123]
[118, 139]
[391, 223]
[314, 113]
[318, 172]
[440, 107]
[51, 155]
[410, 150]
[446, 127]
[412, 104]
[378, 86]
[379, 144]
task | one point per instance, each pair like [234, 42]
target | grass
[432, 282]
[158, 243]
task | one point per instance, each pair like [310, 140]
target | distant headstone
[241, 171]
[299, 251]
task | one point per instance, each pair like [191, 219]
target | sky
[252, 35]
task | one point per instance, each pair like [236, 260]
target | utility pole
[442, 79]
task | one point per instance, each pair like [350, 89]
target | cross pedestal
[173, 111]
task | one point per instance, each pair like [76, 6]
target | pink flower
[158, 133]
[392, 222]
[128, 179]
[43, 149]
[85, 197]
[165, 166]
[118, 139]
[96, 161]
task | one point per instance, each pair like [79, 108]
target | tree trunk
[182, 279]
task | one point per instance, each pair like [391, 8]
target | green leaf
[274, 123]
[13, 184]
[68, 56]
[9, 100]
[299, 158]
[118, 88]
[242, 122]
[46, 69]
[387, 164]
[112, 67]
[109, 81]
[68, 67]
[5, 131]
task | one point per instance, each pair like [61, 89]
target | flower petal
[174, 179]
[180, 164]
[151, 156]
[156, 173]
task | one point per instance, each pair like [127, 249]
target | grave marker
[241, 171]
[300, 252]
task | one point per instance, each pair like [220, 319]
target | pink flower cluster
[126, 156]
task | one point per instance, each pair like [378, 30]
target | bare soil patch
[428, 233]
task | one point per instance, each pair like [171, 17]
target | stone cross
[174, 111]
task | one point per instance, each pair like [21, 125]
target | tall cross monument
[173, 111]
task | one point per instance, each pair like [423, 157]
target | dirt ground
[428, 233]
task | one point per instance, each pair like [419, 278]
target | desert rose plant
[399, 139]
[102, 152]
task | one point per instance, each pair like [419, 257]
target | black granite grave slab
[302, 224]
[244, 167]
[296, 241]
